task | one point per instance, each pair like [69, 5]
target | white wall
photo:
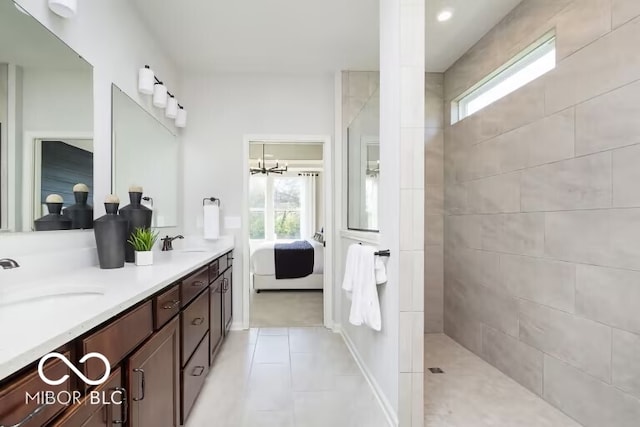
[223, 108]
[57, 100]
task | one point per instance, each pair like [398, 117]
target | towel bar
[386, 252]
[210, 199]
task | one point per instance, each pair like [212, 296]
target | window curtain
[308, 214]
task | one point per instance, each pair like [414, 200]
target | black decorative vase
[110, 231]
[54, 220]
[81, 214]
[139, 216]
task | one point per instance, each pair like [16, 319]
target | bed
[263, 268]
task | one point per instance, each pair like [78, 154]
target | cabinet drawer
[13, 409]
[193, 377]
[165, 306]
[230, 259]
[215, 316]
[118, 339]
[111, 411]
[195, 324]
[214, 270]
[192, 286]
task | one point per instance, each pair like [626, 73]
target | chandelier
[263, 169]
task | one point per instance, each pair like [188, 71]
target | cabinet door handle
[198, 283]
[125, 406]
[28, 418]
[199, 370]
[174, 304]
[142, 384]
[225, 284]
[197, 321]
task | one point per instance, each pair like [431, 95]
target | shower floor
[471, 392]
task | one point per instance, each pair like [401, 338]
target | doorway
[287, 216]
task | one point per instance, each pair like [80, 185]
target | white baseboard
[389, 413]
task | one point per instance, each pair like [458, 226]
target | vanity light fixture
[444, 15]
[172, 107]
[146, 80]
[64, 8]
[160, 95]
[149, 84]
[181, 118]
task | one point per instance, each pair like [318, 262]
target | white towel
[360, 284]
[211, 220]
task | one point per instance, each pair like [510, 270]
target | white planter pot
[144, 258]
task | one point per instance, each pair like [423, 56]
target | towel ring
[210, 199]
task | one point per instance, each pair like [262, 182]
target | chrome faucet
[8, 263]
[167, 242]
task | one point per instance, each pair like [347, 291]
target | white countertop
[30, 329]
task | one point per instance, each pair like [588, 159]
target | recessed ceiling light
[444, 15]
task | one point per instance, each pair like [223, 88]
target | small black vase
[54, 220]
[110, 231]
[139, 216]
[81, 214]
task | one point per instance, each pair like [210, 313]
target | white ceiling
[472, 19]
[303, 35]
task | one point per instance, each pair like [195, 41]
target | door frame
[327, 173]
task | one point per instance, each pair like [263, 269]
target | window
[281, 207]
[533, 62]
[257, 207]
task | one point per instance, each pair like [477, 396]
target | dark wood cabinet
[194, 325]
[215, 316]
[110, 407]
[153, 380]
[35, 412]
[193, 376]
[227, 301]
[160, 352]
[118, 339]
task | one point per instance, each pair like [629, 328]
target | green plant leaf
[143, 239]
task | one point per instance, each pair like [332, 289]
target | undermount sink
[192, 250]
[51, 294]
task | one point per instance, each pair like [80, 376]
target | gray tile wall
[542, 211]
[434, 203]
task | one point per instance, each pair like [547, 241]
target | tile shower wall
[433, 203]
[542, 211]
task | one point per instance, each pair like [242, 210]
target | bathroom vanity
[159, 327]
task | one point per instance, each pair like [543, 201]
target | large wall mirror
[145, 153]
[46, 119]
[363, 166]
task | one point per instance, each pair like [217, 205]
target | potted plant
[142, 240]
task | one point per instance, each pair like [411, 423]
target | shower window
[528, 65]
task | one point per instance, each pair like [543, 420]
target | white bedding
[263, 257]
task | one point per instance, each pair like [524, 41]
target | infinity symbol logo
[66, 361]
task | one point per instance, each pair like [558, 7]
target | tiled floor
[472, 393]
[283, 377]
[286, 308]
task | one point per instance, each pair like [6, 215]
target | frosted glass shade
[160, 95]
[172, 108]
[64, 8]
[181, 119]
[146, 80]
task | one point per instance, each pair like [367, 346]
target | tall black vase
[81, 214]
[54, 220]
[110, 231]
[139, 216]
